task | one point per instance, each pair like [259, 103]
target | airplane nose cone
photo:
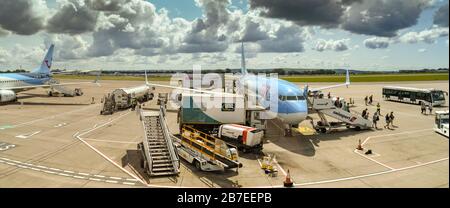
[294, 112]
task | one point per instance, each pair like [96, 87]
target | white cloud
[333, 45]
[428, 36]
[377, 42]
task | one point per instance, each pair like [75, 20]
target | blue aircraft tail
[243, 69]
[46, 63]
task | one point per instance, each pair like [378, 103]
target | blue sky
[139, 34]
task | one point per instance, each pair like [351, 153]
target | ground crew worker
[348, 107]
[367, 116]
[378, 108]
[329, 95]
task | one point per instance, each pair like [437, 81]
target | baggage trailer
[206, 152]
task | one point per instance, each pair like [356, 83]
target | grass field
[305, 78]
[370, 78]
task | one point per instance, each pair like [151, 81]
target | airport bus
[414, 95]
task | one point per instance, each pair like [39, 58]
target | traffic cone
[359, 146]
[288, 182]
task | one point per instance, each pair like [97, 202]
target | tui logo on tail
[47, 64]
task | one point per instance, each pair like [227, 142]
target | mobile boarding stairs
[326, 107]
[160, 157]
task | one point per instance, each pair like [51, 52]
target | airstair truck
[326, 107]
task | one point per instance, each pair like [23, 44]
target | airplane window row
[11, 81]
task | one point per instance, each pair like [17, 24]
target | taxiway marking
[26, 136]
[51, 117]
[67, 173]
[60, 125]
[110, 141]
[135, 178]
[359, 176]
[384, 135]
[79, 137]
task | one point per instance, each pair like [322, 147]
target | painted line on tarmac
[110, 141]
[394, 134]
[28, 135]
[79, 137]
[373, 160]
[372, 174]
[51, 117]
[60, 125]
[279, 166]
[67, 173]
[384, 135]
[282, 130]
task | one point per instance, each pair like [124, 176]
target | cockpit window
[291, 98]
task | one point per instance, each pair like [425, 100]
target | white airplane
[12, 83]
[291, 104]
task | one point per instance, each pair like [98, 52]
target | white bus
[414, 95]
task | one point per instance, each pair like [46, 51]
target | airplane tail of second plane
[243, 68]
[46, 63]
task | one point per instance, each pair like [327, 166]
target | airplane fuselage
[291, 106]
[12, 80]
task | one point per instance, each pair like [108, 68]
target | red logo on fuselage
[46, 63]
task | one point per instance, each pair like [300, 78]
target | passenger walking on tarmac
[375, 119]
[422, 108]
[367, 116]
[430, 108]
[378, 108]
[348, 107]
[391, 119]
[329, 95]
[388, 118]
[370, 99]
[366, 100]
[364, 113]
[426, 109]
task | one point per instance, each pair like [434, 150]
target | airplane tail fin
[243, 69]
[46, 63]
[146, 79]
[97, 78]
[347, 78]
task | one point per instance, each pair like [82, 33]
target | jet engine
[7, 96]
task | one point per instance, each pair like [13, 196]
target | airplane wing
[184, 88]
[51, 85]
[347, 83]
[191, 90]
